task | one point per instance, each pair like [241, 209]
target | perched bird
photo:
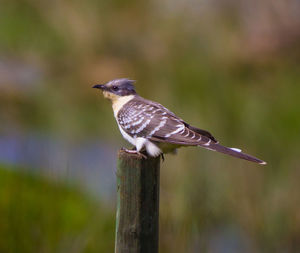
[151, 127]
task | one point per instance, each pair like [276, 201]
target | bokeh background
[230, 66]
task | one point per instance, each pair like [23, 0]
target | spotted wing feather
[143, 118]
[140, 118]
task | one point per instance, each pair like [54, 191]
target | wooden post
[138, 204]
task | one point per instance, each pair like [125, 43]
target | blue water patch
[90, 163]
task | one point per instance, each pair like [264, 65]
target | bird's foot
[134, 151]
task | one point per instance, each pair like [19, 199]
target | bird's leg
[162, 157]
[134, 151]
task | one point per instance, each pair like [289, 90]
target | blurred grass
[231, 67]
[38, 215]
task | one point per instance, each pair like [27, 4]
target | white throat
[118, 103]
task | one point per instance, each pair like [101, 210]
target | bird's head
[117, 88]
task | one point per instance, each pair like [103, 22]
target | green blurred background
[230, 66]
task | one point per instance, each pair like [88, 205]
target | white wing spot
[161, 124]
[193, 135]
[187, 134]
[156, 110]
[182, 131]
[207, 143]
[142, 127]
[236, 149]
[138, 122]
[180, 128]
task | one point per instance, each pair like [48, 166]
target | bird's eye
[115, 88]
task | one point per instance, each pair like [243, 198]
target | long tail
[232, 151]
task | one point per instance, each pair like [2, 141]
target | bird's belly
[127, 136]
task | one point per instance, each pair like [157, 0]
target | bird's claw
[130, 151]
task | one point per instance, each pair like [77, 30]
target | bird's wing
[147, 119]
[171, 114]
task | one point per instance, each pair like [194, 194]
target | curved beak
[99, 86]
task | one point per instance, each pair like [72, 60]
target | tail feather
[233, 152]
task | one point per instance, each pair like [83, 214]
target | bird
[153, 129]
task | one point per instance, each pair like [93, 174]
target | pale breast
[119, 102]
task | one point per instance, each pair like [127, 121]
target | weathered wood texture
[138, 204]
